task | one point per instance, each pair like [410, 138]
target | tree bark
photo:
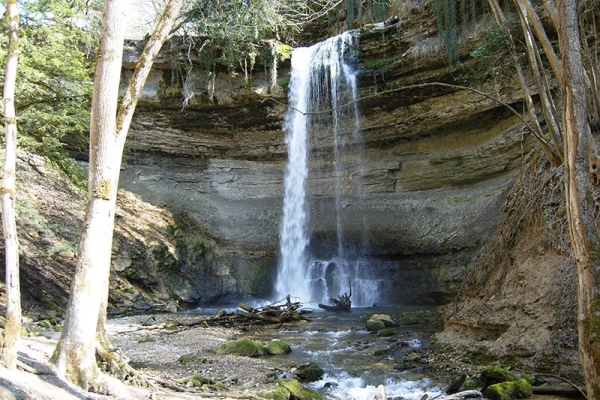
[84, 330]
[75, 352]
[585, 239]
[12, 330]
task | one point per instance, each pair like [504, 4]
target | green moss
[146, 339]
[381, 352]
[378, 63]
[480, 356]
[197, 380]
[260, 280]
[297, 390]
[409, 319]
[244, 347]
[279, 393]
[442, 347]
[495, 374]
[278, 347]
[387, 332]
[192, 358]
[509, 390]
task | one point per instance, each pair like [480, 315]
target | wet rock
[457, 384]
[310, 372]
[278, 347]
[412, 357]
[379, 321]
[244, 347]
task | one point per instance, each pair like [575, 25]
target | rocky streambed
[354, 360]
[333, 356]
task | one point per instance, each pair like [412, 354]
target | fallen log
[557, 391]
[259, 316]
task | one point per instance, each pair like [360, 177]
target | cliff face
[437, 164]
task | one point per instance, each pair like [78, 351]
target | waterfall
[322, 98]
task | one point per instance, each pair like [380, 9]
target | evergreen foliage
[53, 80]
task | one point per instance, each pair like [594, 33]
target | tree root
[115, 363]
[567, 381]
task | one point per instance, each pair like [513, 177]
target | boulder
[278, 347]
[495, 374]
[293, 389]
[244, 347]
[310, 372]
[379, 321]
[521, 389]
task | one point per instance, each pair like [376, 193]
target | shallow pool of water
[340, 344]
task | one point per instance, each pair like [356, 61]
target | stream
[340, 344]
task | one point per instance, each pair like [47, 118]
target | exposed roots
[115, 363]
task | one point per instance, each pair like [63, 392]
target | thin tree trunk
[12, 330]
[585, 239]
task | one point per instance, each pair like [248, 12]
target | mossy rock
[387, 332]
[310, 372]
[382, 352]
[374, 325]
[244, 347]
[296, 390]
[376, 322]
[196, 380]
[495, 374]
[457, 384]
[509, 390]
[192, 358]
[278, 347]
[473, 384]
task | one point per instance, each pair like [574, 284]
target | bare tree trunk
[76, 349]
[585, 239]
[125, 115]
[83, 329]
[12, 330]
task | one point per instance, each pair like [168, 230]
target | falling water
[322, 96]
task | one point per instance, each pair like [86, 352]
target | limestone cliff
[438, 164]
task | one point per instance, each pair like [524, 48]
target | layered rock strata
[436, 166]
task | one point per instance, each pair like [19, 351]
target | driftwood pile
[272, 313]
[343, 304]
[276, 313]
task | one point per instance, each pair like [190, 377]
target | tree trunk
[585, 239]
[84, 330]
[125, 115]
[76, 349]
[12, 330]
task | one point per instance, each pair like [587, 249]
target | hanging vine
[445, 12]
